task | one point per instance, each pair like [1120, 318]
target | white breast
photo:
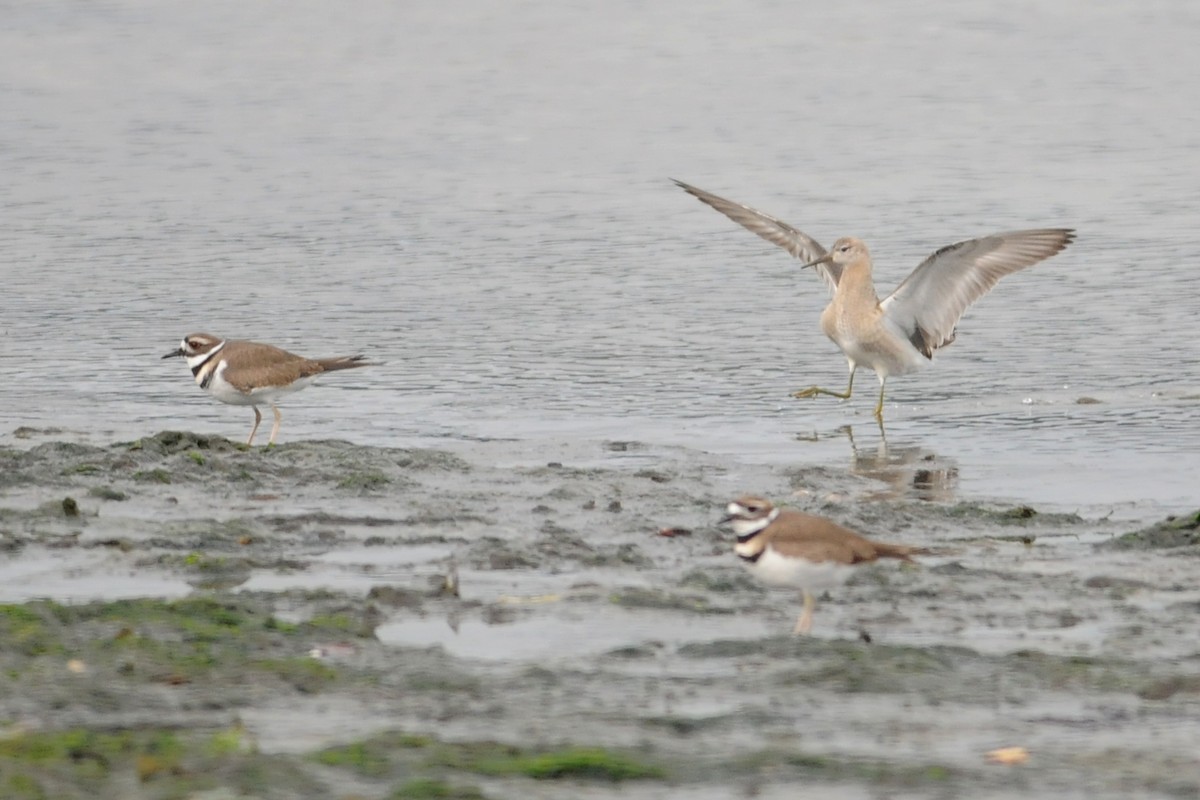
[779, 570]
[224, 391]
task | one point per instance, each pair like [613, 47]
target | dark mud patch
[175, 458]
[1019, 516]
[1180, 531]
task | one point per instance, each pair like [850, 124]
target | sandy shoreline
[295, 599]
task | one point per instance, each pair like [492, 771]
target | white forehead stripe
[200, 358]
[734, 508]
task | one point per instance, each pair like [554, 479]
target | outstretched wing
[800, 245]
[931, 301]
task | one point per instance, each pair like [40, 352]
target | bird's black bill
[174, 353]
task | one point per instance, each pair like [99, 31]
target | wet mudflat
[496, 614]
[184, 617]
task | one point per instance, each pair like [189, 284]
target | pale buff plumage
[900, 333]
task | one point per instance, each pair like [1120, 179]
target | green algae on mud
[434, 789]
[151, 762]
[392, 754]
[125, 644]
[167, 762]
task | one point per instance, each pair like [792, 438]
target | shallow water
[548, 638]
[479, 199]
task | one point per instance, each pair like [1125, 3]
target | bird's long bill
[825, 259]
[725, 520]
[178, 351]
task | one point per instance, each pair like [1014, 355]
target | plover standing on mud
[244, 373]
[784, 547]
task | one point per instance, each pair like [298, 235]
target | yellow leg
[879, 405]
[813, 391]
[275, 427]
[254, 430]
[804, 624]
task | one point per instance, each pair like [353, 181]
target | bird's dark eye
[752, 509]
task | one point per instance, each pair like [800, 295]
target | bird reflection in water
[906, 471]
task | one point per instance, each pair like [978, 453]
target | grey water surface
[476, 195]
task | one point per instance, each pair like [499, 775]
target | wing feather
[818, 539]
[267, 365]
[776, 231]
[819, 551]
[929, 303]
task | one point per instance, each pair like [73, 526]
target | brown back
[813, 538]
[254, 364]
